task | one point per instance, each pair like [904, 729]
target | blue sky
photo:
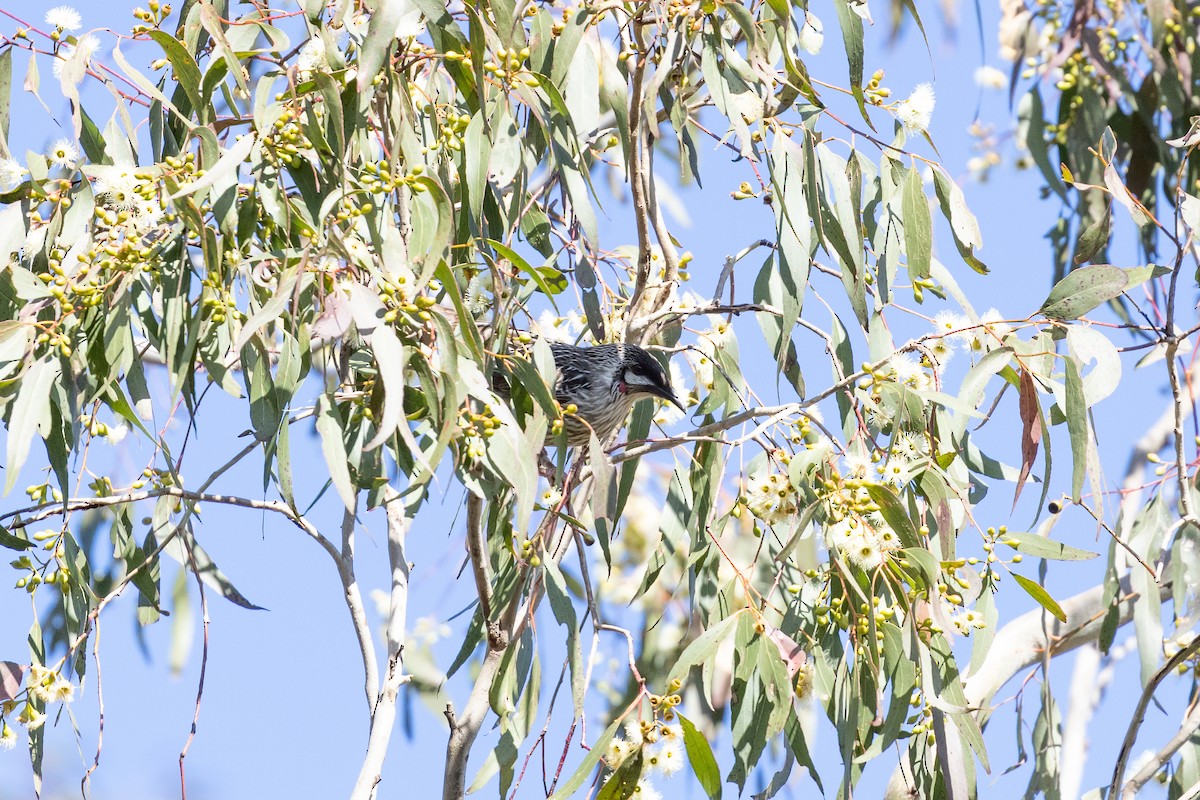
[283, 711]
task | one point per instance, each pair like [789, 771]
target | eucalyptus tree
[370, 219]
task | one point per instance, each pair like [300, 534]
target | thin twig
[1139, 714]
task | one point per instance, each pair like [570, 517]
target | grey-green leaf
[1084, 289]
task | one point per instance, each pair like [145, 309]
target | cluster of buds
[285, 139]
[403, 306]
[151, 18]
[992, 537]
[664, 706]
[529, 552]
[509, 66]
[219, 303]
[875, 93]
[744, 192]
[377, 177]
[51, 571]
[451, 127]
[156, 479]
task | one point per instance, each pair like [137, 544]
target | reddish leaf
[793, 657]
[10, 679]
[1031, 431]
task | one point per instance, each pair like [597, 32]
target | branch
[1023, 642]
[383, 716]
[358, 612]
[1191, 722]
[464, 728]
[1139, 715]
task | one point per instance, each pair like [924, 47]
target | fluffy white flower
[993, 332]
[942, 352]
[968, 620]
[116, 186]
[812, 34]
[908, 371]
[856, 465]
[64, 18]
[668, 757]
[8, 737]
[11, 171]
[477, 294]
[633, 733]
[551, 497]
[954, 325]
[311, 57]
[62, 691]
[769, 497]
[645, 791]
[31, 718]
[916, 111]
[618, 750]
[559, 329]
[863, 550]
[63, 153]
[991, 78]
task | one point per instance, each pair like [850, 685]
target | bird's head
[641, 375]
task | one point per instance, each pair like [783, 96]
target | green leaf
[623, 783]
[918, 226]
[1083, 290]
[852, 39]
[895, 514]
[538, 277]
[13, 542]
[1037, 592]
[702, 647]
[700, 756]
[5, 91]
[1039, 546]
[187, 74]
[30, 413]
[329, 426]
[967, 236]
[1076, 413]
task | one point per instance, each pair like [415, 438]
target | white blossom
[863, 551]
[311, 57]
[554, 328]
[477, 298]
[908, 371]
[645, 791]
[916, 111]
[668, 758]
[8, 737]
[953, 325]
[769, 497]
[991, 78]
[64, 18]
[11, 171]
[63, 153]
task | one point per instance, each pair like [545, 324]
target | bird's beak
[666, 393]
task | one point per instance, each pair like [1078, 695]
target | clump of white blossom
[864, 541]
[915, 112]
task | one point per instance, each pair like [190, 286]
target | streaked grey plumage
[604, 382]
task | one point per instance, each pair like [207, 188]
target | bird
[603, 382]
